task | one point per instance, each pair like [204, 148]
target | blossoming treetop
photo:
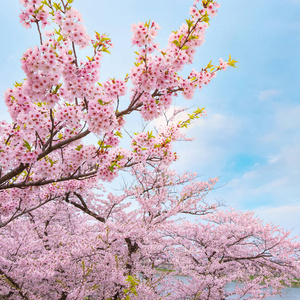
[61, 101]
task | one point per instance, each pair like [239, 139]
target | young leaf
[27, 145]
[180, 38]
[176, 43]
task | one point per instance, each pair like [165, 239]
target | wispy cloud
[269, 94]
[213, 136]
[283, 215]
[272, 184]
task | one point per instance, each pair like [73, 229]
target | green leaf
[209, 65]
[189, 23]
[57, 6]
[88, 272]
[106, 146]
[180, 38]
[52, 162]
[150, 135]
[16, 84]
[59, 281]
[176, 43]
[95, 287]
[27, 145]
[57, 88]
[147, 24]
[57, 31]
[185, 47]
[105, 50]
[231, 62]
[205, 19]
[119, 134]
[199, 110]
[78, 148]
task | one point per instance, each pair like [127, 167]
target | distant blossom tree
[62, 235]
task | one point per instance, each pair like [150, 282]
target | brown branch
[84, 207]
[14, 284]
[22, 166]
[131, 106]
[25, 211]
[45, 182]
[75, 55]
[64, 296]
[15, 172]
[39, 30]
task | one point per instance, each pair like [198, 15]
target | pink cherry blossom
[67, 231]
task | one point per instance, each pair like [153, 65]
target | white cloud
[288, 118]
[285, 127]
[273, 159]
[286, 216]
[271, 180]
[181, 116]
[268, 94]
[274, 185]
[213, 142]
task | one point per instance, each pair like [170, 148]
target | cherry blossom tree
[43, 156]
[63, 236]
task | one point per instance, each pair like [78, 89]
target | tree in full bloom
[63, 236]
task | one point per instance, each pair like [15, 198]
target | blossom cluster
[72, 28]
[157, 73]
[144, 33]
[146, 145]
[34, 13]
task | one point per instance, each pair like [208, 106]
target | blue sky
[251, 137]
